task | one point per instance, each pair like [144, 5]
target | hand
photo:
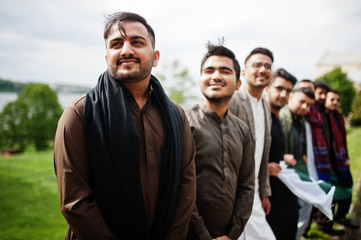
[224, 237]
[273, 169]
[304, 158]
[290, 159]
[266, 205]
[348, 162]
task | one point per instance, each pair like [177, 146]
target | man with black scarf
[124, 153]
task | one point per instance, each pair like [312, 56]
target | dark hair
[306, 80]
[220, 50]
[284, 74]
[119, 17]
[321, 84]
[264, 51]
[335, 91]
[307, 91]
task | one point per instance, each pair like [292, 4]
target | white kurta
[305, 209]
[257, 226]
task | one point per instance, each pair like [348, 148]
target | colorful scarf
[319, 145]
[337, 125]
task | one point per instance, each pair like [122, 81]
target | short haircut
[260, 50]
[220, 50]
[284, 74]
[307, 91]
[321, 84]
[306, 80]
[120, 17]
[335, 91]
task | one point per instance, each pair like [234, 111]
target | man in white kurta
[257, 226]
[249, 105]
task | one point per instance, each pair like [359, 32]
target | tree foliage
[31, 119]
[12, 128]
[338, 80]
[178, 83]
[9, 86]
[356, 110]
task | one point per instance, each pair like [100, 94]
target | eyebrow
[220, 68]
[122, 38]
[137, 37]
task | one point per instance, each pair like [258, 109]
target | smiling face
[130, 55]
[278, 93]
[257, 71]
[218, 79]
[332, 101]
[299, 103]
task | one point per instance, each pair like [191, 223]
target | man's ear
[156, 58]
[238, 84]
[243, 72]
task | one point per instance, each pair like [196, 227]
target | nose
[284, 93]
[127, 49]
[216, 76]
[304, 106]
[262, 68]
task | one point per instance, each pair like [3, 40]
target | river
[63, 98]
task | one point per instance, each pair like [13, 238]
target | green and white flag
[316, 192]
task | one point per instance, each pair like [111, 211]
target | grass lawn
[29, 205]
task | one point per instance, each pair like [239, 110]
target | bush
[356, 110]
[31, 119]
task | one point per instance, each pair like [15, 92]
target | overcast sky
[62, 41]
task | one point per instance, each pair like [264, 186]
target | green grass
[354, 149]
[29, 203]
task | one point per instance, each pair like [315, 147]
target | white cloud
[61, 41]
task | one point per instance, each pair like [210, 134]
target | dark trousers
[343, 206]
[283, 221]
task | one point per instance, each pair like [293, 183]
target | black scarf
[113, 146]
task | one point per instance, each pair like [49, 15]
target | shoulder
[236, 105]
[284, 112]
[75, 109]
[193, 113]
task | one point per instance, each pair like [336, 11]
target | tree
[32, 118]
[339, 81]
[177, 83]
[12, 128]
[356, 110]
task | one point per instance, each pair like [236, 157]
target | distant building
[350, 63]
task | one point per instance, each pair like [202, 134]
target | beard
[219, 99]
[259, 85]
[131, 75]
[276, 106]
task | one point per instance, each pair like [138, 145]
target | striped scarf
[319, 145]
[337, 125]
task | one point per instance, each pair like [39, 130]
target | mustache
[128, 58]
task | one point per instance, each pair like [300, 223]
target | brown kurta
[225, 174]
[77, 200]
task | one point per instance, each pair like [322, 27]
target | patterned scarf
[319, 145]
[339, 147]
